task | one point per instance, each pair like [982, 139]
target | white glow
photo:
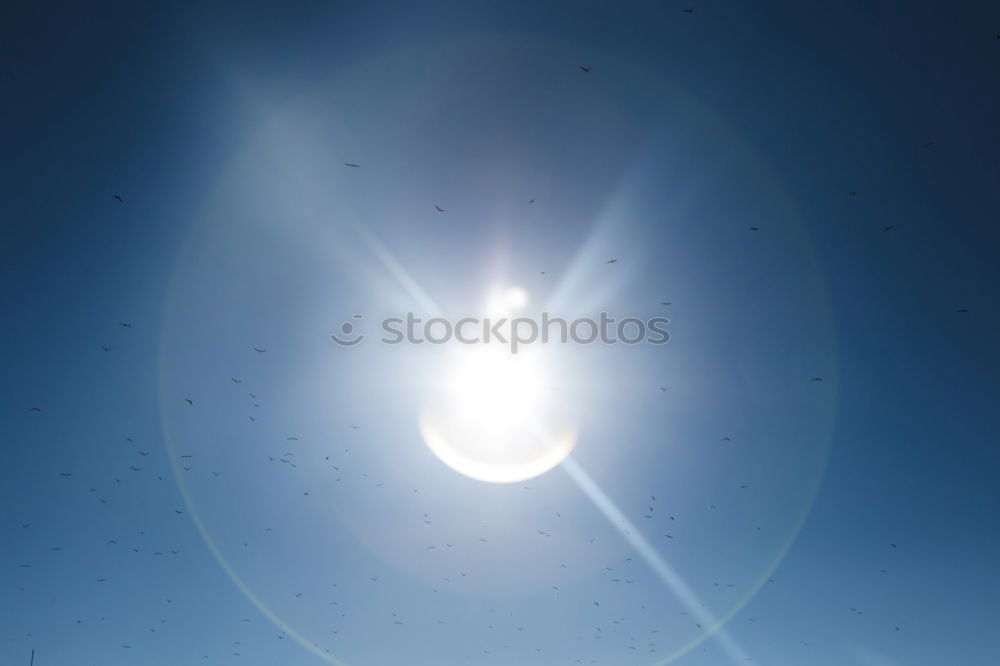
[515, 298]
[505, 302]
[493, 415]
[496, 390]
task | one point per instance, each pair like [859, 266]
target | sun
[494, 389]
[494, 415]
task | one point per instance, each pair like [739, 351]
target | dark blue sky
[848, 521]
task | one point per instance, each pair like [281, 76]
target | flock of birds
[624, 573]
[639, 636]
[617, 627]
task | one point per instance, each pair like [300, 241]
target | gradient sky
[848, 521]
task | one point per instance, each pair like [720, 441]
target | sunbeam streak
[660, 567]
[392, 265]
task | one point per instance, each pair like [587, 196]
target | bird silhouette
[119, 199]
[438, 208]
[585, 69]
[352, 164]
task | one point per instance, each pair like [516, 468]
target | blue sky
[848, 521]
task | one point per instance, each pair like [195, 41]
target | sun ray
[666, 573]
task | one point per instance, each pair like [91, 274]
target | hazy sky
[719, 505]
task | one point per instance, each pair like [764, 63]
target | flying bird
[125, 324]
[962, 310]
[188, 401]
[119, 199]
[585, 69]
[36, 410]
[352, 164]
[888, 228]
[688, 10]
[816, 379]
[611, 261]
[438, 208]
[259, 350]
[754, 228]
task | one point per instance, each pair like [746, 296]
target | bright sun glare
[495, 416]
[496, 389]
